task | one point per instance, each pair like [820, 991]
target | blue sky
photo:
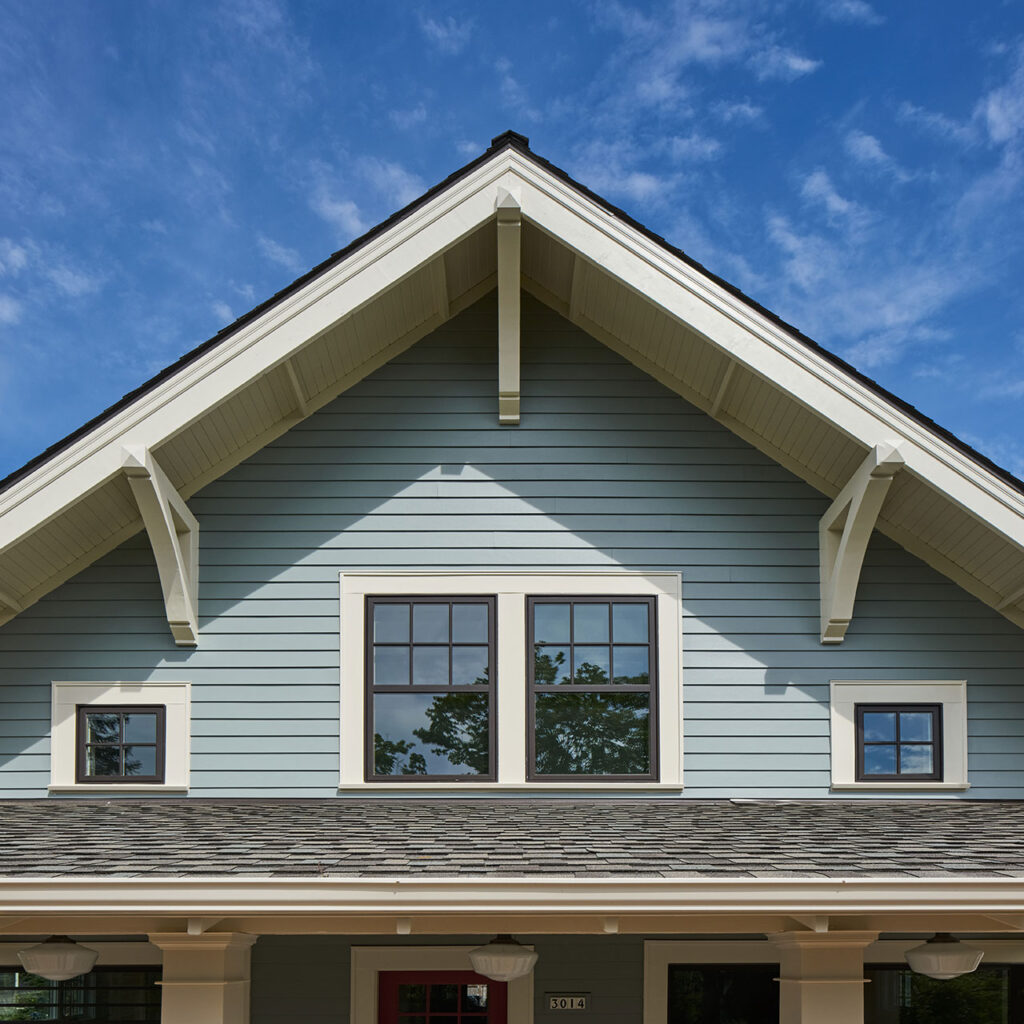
[857, 167]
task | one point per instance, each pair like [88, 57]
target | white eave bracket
[174, 535]
[510, 218]
[843, 535]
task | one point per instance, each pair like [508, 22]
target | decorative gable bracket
[510, 220]
[174, 535]
[843, 535]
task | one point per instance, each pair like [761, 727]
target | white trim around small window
[511, 590]
[950, 695]
[69, 696]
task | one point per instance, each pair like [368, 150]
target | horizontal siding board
[409, 470]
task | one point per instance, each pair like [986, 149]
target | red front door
[441, 997]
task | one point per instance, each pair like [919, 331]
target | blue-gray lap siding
[409, 469]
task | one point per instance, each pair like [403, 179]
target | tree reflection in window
[429, 687]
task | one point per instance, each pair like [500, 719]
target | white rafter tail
[610, 926]
[812, 922]
[843, 536]
[510, 219]
[174, 536]
[298, 391]
[201, 925]
[403, 926]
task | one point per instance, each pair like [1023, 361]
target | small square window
[901, 742]
[118, 743]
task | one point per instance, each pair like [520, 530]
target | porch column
[821, 976]
[205, 977]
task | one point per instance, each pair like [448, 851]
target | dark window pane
[391, 623]
[590, 623]
[552, 665]
[139, 760]
[412, 997]
[430, 623]
[469, 623]
[736, 994]
[592, 734]
[551, 623]
[880, 760]
[427, 734]
[103, 728]
[444, 997]
[899, 996]
[632, 665]
[391, 666]
[916, 759]
[474, 997]
[139, 727]
[629, 623]
[593, 665]
[880, 726]
[103, 761]
[915, 725]
[430, 666]
[469, 666]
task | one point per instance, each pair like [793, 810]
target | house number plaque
[567, 1000]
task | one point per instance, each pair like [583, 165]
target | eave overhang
[690, 331]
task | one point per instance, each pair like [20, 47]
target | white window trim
[511, 590]
[175, 697]
[659, 955]
[368, 961]
[950, 694]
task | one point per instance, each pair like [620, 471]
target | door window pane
[993, 994]
[734, 993]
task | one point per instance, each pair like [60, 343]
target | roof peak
[510, 138]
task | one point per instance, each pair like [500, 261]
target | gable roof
[591, 262]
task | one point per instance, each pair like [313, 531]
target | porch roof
[506, 838]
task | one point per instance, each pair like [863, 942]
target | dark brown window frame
[81, 761]
[935, 710]
[370, 688]
[651, 688]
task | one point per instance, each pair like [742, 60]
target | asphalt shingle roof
[511, 837]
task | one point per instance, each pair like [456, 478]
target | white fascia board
[231, 896]
[761, 345]
[166, 410]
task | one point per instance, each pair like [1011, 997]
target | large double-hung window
[504, 680]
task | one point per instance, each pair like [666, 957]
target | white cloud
[393, 181]
[277, 253]
[342, 213]
[737, 112]
[809, 259]
[222, 311]
[854, 12]
[513, 95]
[867, 150]
[74, 283]
[406, 119]
[694, 147]
[448, 35]
[467, 148]
[10, 310]
[610, 168]
[1002, 110]
[937, 124]
[817, 189]
[13, 257]
[776, 62]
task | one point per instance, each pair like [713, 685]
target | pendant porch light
[943, 957]
[58, 958]
[502, 959]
